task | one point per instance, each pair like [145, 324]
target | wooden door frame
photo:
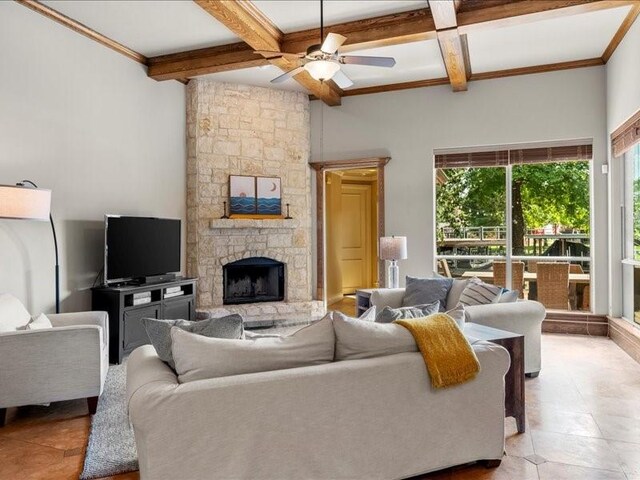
[322, 167]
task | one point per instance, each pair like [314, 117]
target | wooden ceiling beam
[443, 13]
[393, 29]
[622, 31]
[454, 50]
[385, 30]
[255, 29]
[454, 58]
[512, 72]
[481, 17]
[204, 61]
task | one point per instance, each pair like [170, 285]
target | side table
[514, 379]
[363, 300]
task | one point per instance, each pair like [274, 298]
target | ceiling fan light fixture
[322, 69]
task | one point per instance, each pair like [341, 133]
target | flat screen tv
[139, 247]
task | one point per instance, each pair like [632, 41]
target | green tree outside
[542, 194]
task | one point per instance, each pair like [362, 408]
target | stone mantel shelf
[243, 223]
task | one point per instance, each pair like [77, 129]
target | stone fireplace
[253, 280]
[244, 130]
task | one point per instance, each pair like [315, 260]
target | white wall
[87, 123]
[623, 101]
[623, 79]
[408, 125]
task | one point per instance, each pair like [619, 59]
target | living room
[224, 187]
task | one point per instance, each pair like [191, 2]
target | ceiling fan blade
[288, 74]
[341, 79]
[373, 61]
[332, 43]
[274, 54]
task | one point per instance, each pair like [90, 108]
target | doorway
[350, 220]
[351, 233]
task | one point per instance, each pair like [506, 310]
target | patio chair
[586, 299]
[443, 266]
[553, 285]
[576, 291]
[517, 276]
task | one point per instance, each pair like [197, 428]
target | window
[631, 229]
[505, 218]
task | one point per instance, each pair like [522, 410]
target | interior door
[356, 233]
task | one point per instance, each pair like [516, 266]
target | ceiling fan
[323, 62]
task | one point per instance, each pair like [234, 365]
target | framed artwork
[242, 195]
[255, 197]
[269, 196]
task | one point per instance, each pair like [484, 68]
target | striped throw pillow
[479, 293]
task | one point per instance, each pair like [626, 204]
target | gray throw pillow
[159, 331]
[421, 291]
[388, 314]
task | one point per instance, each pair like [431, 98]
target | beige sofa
[524, 317]
[375, 418]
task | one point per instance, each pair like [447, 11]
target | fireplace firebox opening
[253, 280]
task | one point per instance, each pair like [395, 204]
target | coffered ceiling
[433, 42]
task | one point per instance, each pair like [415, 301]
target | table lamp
[25, 201]
[393, 249]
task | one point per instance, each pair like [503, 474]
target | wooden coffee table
[514, 379]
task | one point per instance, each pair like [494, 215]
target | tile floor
[583, 423]
[583, 417]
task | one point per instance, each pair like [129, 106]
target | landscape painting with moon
[269, 196]
[242, 195]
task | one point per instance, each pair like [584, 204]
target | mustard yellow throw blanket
[448, 355]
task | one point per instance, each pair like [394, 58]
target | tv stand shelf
[166, 300]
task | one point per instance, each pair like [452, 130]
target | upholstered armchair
[68, 361]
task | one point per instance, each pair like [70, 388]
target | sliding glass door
[520, 220]
[631, 235]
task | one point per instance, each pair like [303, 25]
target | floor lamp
[393, 249]
[25, 201]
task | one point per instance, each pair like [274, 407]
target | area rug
[111, 449]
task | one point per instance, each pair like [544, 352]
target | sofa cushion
[388, 314]
[459, 315]
[421, 291]
[457, 287]
[159, 331]
[369, 315]
[13, 315]
[39, 322]
[479, 293]
[357, 339]
[197, 357]
[509, 296]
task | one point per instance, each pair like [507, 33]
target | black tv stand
[121, 302]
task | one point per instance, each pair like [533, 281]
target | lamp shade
[393, 248]
[24, 202]
[322, 69]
